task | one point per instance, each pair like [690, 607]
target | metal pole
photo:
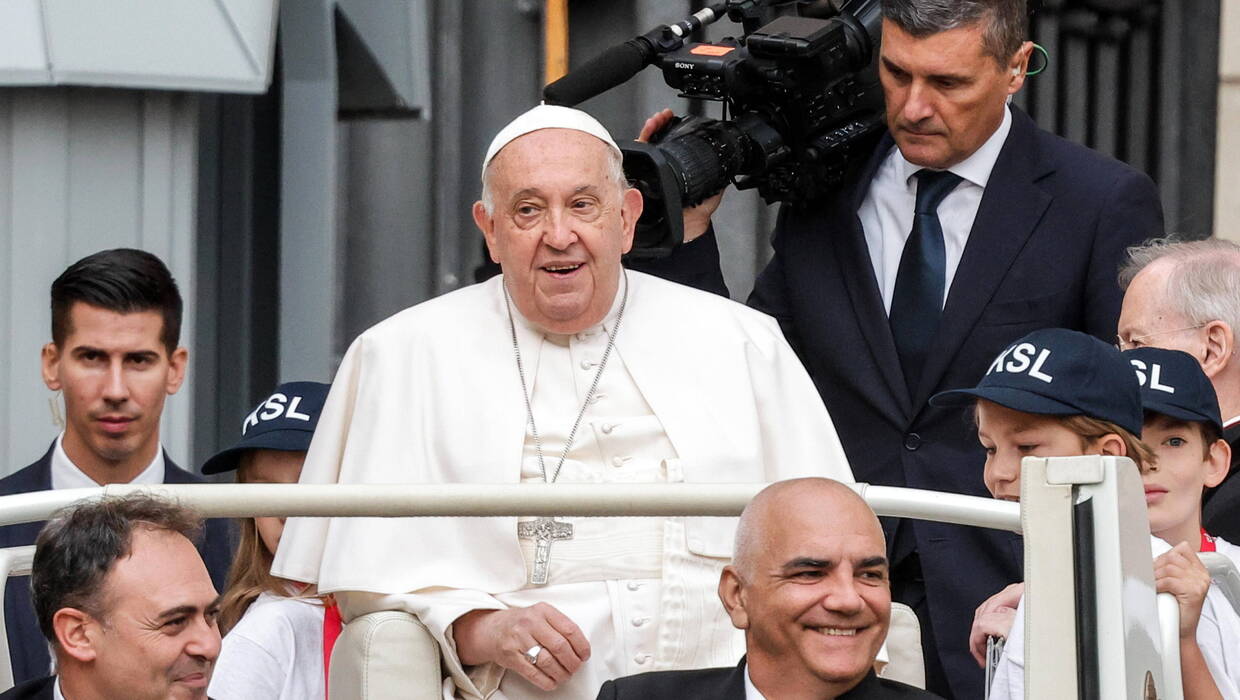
[489, 500]
[555, 40]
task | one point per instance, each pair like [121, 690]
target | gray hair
[79, 545]
[1204, 282]
[1006, 28]
[614, 174]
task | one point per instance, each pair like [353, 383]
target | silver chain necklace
[525, 392]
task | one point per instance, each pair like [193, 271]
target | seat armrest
[383, 655]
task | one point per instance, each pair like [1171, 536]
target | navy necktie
[917, 302]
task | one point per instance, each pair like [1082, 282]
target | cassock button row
[633, 586]
[619, 461]
[586, 364]
[641, 658]
[639, 621]
[607, 428]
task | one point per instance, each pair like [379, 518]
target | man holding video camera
[967, 227]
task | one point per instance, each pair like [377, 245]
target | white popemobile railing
[489, 500]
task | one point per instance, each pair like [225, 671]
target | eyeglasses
[1139, 341]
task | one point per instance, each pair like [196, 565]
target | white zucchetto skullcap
[548, 117]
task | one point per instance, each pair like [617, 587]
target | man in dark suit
[966, 228]
[125, 601]
[808, 584]
[116, 323]
[1182, 295]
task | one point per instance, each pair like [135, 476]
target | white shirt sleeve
[246, 670]
[1009, 679]
[1218, 633]
[274, 653]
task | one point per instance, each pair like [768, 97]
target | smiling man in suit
[966, 228]
[808, 584]
[126, 603]
[115, 357]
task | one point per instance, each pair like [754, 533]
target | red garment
[331, 630]
[1207, 542]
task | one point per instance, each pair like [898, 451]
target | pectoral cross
[544, 531]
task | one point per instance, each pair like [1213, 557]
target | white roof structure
[193, 45]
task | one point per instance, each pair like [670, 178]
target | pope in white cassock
[564, 369]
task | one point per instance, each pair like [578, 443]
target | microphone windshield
[600, 74]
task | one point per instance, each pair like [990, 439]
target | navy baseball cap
[283, 421]
[1173, 384]
[1058, 372]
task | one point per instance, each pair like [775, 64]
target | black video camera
[802, 90]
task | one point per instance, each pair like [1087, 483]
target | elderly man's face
[559, 227]
[817, 603]
[158, 637]
[1146, 320]
[945, 94]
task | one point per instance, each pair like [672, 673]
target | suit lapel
[40, 477]
[733, 687]
[173, 474]
[858, 274]
[1010, 210]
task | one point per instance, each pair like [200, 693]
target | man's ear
[732, 595]
[1018, 67]
[1218, 463]
[1219, 347]
[50, 361]
[76, 633]
[630, 211]
[177, 363]
[1112, 445]
[487, 226]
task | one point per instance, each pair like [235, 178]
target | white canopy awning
[196, 45]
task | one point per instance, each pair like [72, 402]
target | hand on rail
[697, 219]
[1180, 573]
[504, 636]
[994, 618]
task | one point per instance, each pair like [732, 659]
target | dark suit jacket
[1050, 231]
[1221, 514]
[729, 684]
[27, 645]
[37, 689]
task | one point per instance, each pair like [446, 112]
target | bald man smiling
[809, 586]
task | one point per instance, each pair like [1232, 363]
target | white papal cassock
[698, 389]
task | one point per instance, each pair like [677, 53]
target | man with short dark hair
[114, 356]
[126, 603]
[1182, 295]
[808, 584]
[967, 227]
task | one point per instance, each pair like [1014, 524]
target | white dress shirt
[56, 694]
[66, 475]
[887, 212]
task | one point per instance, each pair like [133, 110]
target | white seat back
[384, 655]
[906, 663]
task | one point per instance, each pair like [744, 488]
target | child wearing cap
[1062, 393]
[1185, 430]
[1053, 393]
[276, 637]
